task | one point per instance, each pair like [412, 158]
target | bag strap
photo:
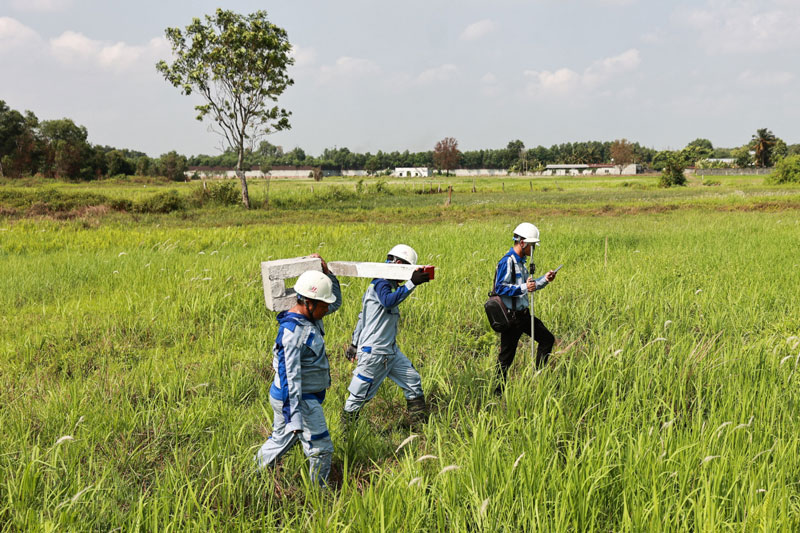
[496, 270]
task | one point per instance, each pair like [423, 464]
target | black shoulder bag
[500, 318]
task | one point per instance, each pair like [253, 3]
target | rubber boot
[502, 374]
[541, 358]
[417, 410]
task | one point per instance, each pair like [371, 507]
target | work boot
[541, 358]
[417, 410]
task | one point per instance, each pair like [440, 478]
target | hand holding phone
[550, 276]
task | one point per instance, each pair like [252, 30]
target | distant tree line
[59, 149]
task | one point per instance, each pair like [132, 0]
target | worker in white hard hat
[302, 375]
[374, 343]
[513, 284]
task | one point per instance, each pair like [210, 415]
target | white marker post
[274, 273]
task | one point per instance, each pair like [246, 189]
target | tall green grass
[135, 366]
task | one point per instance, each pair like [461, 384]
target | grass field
[134, 358]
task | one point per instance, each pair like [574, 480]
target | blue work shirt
[511, 283]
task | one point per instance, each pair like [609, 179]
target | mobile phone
[430, 270]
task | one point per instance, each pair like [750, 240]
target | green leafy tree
[787, 170]
[118, 164]
[67, 149]
[763, 143]
[372, 164]
[742, 156]
[446, 154]
[702, 147]
[172, 165]
[238, 64]
[621, 152]
[673, 173]
[780, 150]
[513, 153]
[12, 127]
[143, 166]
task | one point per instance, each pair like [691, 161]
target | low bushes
[786, 171]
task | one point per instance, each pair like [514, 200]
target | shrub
[223, 193]
[164, 202]
[786, 171]
[672, 175]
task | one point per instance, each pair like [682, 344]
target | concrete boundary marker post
[274, 273]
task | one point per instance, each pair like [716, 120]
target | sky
[373, 75]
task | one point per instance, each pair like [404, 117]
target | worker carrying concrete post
[513, 284]
[374, 343]
[302, 375]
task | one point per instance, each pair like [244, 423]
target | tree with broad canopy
[238, 64]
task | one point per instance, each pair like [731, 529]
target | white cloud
[42, 6]
[601, 70]
[75, 49]
[441, 73]
[489, 78]
[478, 29]
[349, 67]
[560, 81]
[765, 79]
[303, 57]
[744, 26]
[14, 34]
[565, 80]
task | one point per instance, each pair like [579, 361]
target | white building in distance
[412, 172]
[597, 170]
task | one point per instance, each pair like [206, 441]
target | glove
[350, 352]
[419, 277]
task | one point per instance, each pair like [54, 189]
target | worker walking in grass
[513, 284]
[302, 375]
[374, 343]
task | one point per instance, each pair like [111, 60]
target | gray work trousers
[370, 372]
[316, 440]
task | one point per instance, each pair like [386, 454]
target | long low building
[593, 170]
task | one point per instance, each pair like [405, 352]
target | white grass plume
[516, 463]
[747, 425]
[449, 468]
[406, 441]
[484, 506]
[65, 438]
[721, 427]
[426, 457]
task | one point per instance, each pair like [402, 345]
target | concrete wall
[475, 172]
[229, 174]
[730, 171]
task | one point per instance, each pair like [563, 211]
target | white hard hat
[404, 252]
[315, 285]
[528, 232]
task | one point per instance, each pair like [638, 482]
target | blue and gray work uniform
[375, 336]
[302, 375]
[511, 281]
